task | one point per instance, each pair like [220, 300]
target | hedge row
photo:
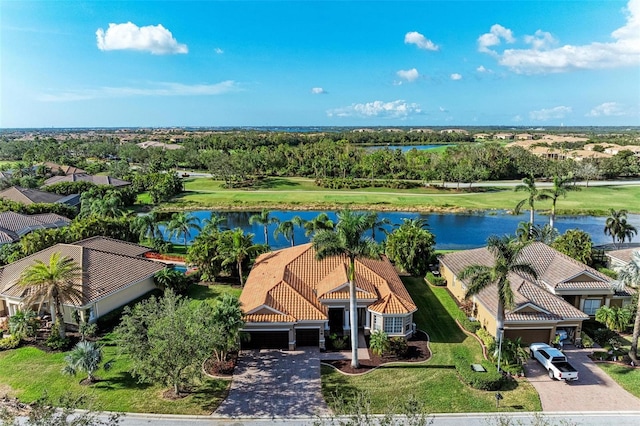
[490, 380]
[349, 183]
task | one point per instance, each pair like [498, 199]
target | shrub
[513, 369]
[55, 342]
[587, 341]
[23, 324]
[490, 380]
[602, 336]
[487, 339]
[435, 281]
[470, 326]
[10, 342]
[338, 342]
[379, 342]
[398, 346]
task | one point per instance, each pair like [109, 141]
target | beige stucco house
[113, 274]
[565, 293]
[291, 299]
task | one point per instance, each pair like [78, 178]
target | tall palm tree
[376, 223]
[630, 275]
[214, 223]
[506, 253]
[618, 228]
[236, 247]
[265, 219]
[181, 224]
[318, 223]
[348, 240]
[60, 280]
[146, 226]
[528, 185]
[561, 185]
[286, 228]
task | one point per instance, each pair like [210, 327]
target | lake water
[405, 148]
[452, 231]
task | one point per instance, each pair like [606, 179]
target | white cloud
[517, 118]
[409, 75]
[218, 51]
[393, 109]
[156, 89]
[542, 57]
[155, 39]
[606, 109]
[443, 109]
[550, 113]
[318, 91]
[496, 34]
[419, 40]
[482, 69]
[455, 76]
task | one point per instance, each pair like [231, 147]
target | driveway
[273, 383]
[593, 391]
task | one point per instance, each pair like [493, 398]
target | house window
[591, 306]
[377, 322]
[393, 325]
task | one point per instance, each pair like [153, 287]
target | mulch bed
[214, 368]
[418, 351]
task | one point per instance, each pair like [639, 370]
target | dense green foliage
[411, 247]
[576, 244]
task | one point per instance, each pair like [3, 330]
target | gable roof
[29, 196]
[103, 271]
[554, 270]
[67, 170]
[623, 255]
[84, 177]
[294, 283]
[14, 225]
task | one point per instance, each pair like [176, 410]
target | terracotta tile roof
[293, 282]
[29, 196]
[584, 285]
[269, 318]
[103, 272]
[83, 177]
[14, 225]
[67, 170]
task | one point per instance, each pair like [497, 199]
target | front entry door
[336, 320]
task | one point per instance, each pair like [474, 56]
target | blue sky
[328, 63]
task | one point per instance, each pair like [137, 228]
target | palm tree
[85, 356]
[286, 228]
[348, 240]
[544, 234]
[630, 275]
[60, 281]
[236, 248]
[263, 218]
[318, 223]
[374, 222]
[561, 185]
[146, 225]
[506, 253]
[528, 185]
[214, 223]
[181, 224]
[618, 228]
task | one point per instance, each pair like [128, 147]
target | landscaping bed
[417, 351]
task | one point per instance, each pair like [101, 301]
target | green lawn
[299, 193]
[26, 372]
[627, 377]
[435, 382]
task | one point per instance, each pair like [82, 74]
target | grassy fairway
[26, 372]
[435, 382]
[298, 193]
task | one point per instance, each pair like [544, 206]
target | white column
[367, 321]
[346, 324]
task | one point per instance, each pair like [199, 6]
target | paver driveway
[594, 390]
[275, 383]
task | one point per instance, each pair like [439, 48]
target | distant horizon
[436, 63]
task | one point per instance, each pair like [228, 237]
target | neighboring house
[113, 273]
[14, 225]
[618, 259]
[565, 293]
[291, 299]
[161, 145]
[64, 170]
[29, 196]
[83, 177]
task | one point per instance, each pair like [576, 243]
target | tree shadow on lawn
[124, 380]
[210, 394]
[270, 183]
[337, 391]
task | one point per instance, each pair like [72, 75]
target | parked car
[554, 361]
